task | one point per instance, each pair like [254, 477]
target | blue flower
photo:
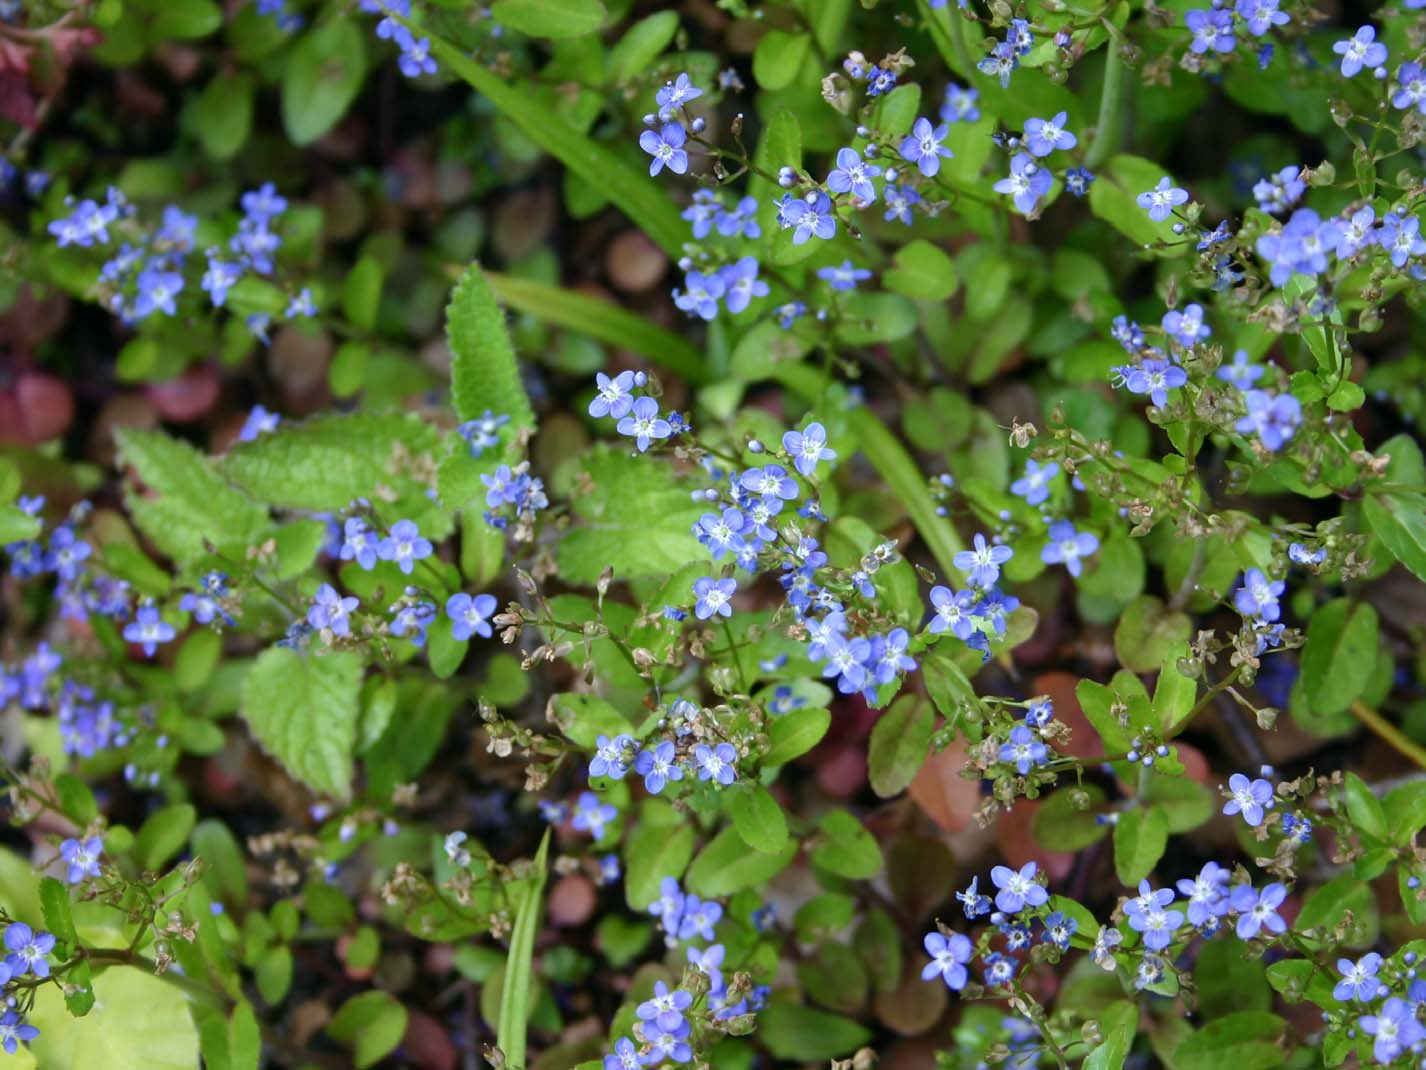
[721, 533]
[1360, 50]
[923, 146]
[359, 543]
[411, 620]
[81, 857]
[404, 545]
[415, 59]
[1395, 1028]
[891, 657]
[658, 767]
[949, 955]
[1412, 94]
[843, 276]
[624, 1056]
[1277, 193]
[1301, 555]
[1066, 546]
[668, 907]
[331, 610]
[1212, 31]
[1078, 180]
[1241, 372]
[1043, 136]
[1059, 929]
[1273, 417]
[960, 105]
[1401, 238]
[674, 95]
[1251, 798]
[1154, 377]
[1018, 888]
[666, 148]
[879, 81]
[666, 1007]
[611, 756]
[717, 763]
[28, 949]
[67, 553]
[709, 960]
[666, 1044]
[714, 597]
[1359, 979]
[1261, 15]
[1257, 910]
[899, 203]
[999, 969]
[700, 294]
[1206, 894]
[1187, 327]
[14, 1031]
[972, 902]
[1160, 201]
[982, 564]
[853, 175]
[1127, 333]
[808, 217]
[470, 616]
[999, 63]
[591, 815]
[771, 481]
[157, 290]
[1258, 596]
[698, 918]
[148, 629]
[643, 423]
[846, 660]
[1147, 915]
[259, 422]
[741, 284]
[1024, 749]
[807, 447]
[1027, 183]
[1034, 485]
[615, 397]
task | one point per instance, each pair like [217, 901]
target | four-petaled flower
[807, 447]
[666, 148]
[923, 146]
[1249, 798]
[27, 950]
[1026, 183]
[1257, 910]
[81, 857]
[714, 597]
[949, 955]
[1160, 201]
[470, 616]
[982, 564]
[1067, 545]
[404, 546]
[1360, 50]
[1043, 136]
[644, 424]
[1018, 888]
[717, 763]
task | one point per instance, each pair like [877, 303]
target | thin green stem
[1109, 123]
[1388, 733]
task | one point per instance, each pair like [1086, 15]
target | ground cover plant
[602, 534]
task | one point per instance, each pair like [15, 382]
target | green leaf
[1140, 837]
[1147, 631]
[163, 835]
[1399, 520]
[189, 502]
[327, 462]
[515, 993]
[1365, 809]
[303, 710]
[1340, 653]
[641, 44]
[222, 115]
[725, 865]
[636, 518]
[651, 853]
[550, 18]
[922, 271]
[1173, 692]
[1113, 198]
[804, 1034]
[900, 742]
[1117, 1023]
[371, 1024]
[1327, 905]
[322, 76]
[845, 847]
[757, 818]
[795, 733]
[138, 1022]
[778, 57]
[16, 525]
[244, 1038]
[187, 21]
[224, 869]
[59, 917]
[1060, 823]
[485, 374]
[1229, 981]
[361, 293]
[602, 320]
[1406, 811]
[628, 186]
[1246, 1040]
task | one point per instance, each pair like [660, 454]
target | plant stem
[1389, 733]
[1107, 126]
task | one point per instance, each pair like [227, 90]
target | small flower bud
[754, 446]
[786, 177]
[698, 125]
[641, 379]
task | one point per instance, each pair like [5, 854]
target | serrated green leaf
[189, 502]
[1399, 520]
[485, 373]
[303, 710]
